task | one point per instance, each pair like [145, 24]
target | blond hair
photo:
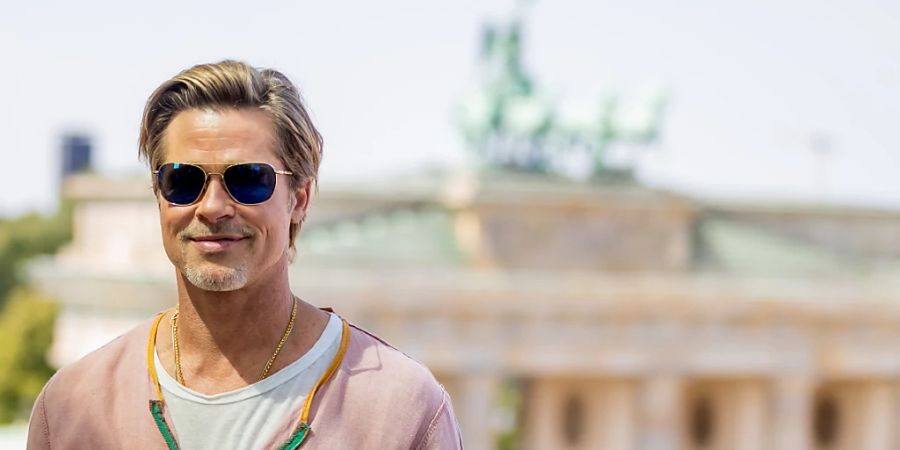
[234, 84]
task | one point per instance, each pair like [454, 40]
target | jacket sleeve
[443, 431]
[38, 429]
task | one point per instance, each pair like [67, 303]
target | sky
[755, 88]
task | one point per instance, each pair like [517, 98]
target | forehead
[220, 136]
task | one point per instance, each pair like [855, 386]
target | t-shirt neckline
[330, 335]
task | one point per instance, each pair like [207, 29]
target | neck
[226, 338]
[232, 322]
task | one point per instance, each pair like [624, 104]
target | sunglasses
[182, 184]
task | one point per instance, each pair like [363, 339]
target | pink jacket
[379, 398]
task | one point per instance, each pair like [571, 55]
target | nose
[216, 204]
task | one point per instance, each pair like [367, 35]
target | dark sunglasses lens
[180, 184]
[250, 183]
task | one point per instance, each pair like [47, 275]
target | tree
[26, 317]
[28, 236]
[26, 332]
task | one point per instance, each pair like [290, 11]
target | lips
[215, 243]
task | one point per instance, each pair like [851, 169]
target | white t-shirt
[248, 418]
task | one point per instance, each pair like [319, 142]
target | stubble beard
[209, 275]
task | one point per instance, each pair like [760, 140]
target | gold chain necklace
[179, 376]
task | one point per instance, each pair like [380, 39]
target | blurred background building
[566, 314]
[564, 301]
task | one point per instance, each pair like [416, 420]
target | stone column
[474, 409]
[877, 401]
[542, 415]
[792, 421]
[661, 413]
[619, 430]
[749, 416]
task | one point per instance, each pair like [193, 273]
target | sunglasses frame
[221, 174]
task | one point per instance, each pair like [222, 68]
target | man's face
[217, 243]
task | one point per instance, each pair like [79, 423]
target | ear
[300, 202]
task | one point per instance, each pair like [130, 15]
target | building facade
[566, 315]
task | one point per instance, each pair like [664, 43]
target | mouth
[216, 242]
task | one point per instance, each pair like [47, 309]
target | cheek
[277, 228]
[262, 219]
[279, 209]
[172, 220]
[168, 236]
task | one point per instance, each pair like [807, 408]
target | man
[240, 362]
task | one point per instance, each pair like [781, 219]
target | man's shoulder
[87, 403]
[389, 394]
[372, 361]
[124, 354]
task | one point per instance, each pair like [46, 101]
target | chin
[216, 278]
